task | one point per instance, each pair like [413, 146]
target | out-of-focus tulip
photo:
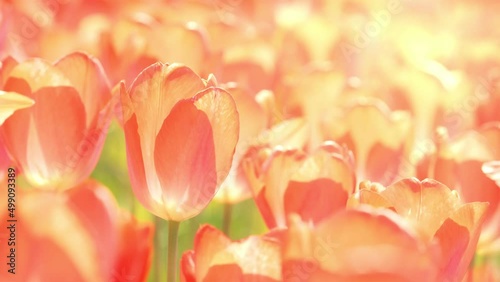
[323, 84]
[76, 235]
[459, 163]
[135, 250]
[357, 245]
[488, 94]
[132, 43]
[63, 236]
[181, 134]
[58, 140]
[437, 214]
[290, 181]
[215, 257]
[385, 138]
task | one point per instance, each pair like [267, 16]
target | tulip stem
[173, 232]
[226, 220]
[159, 249]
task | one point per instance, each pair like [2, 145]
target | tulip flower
[357, 245]
[437, 214]
[289, 181]
[215, 257]
[76, 235]
[465, 164]
[181, 134]
[58, 140]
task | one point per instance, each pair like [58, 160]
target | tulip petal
[6, 67]
[224, 119]
[87, 76]
[45, 139]
[188, 267]
[185, 161]
[36, 73]
[10, 102]
[96, 208]
[458, 237]
[136, 246]
[208, 242]
[425, 203]
[314, 200]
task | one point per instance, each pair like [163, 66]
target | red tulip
[58, 140]
[216, 258]
[181, 134]
[289, 181]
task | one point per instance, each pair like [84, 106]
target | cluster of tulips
[367, 133]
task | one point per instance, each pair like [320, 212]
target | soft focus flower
[357, 245]
[459, 163]
[290, 181]
[181, 133]
[135, 251]
[58, 140]
[385, 138]
[437, 215]
[73, 236]
[215, 258]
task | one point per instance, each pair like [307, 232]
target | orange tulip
[216, 258]
[357, 245]
[289, 181]
[437, 214]
[181, 134]
[460, 163]
[58, 140]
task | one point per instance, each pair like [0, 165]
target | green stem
[226, 220]
[173, 232]
[159, 250]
